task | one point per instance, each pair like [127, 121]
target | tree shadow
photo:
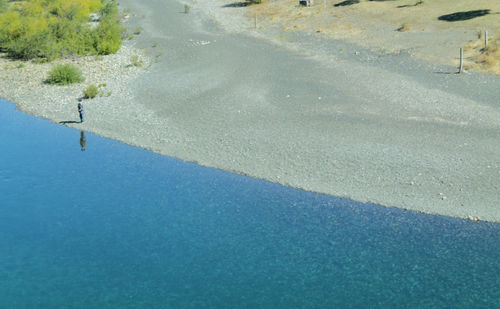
[346, 3]
[459, 16]
[410, 5]
[237, 4]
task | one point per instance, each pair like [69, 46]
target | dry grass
[372, 24]
[484, 59]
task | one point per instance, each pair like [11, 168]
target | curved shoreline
[343, 124]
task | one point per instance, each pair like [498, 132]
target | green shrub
[49, 29]
[186, 8]
[30, 46]
[90, 92]
[110, 9]
[3, 5]
[107, 37]
[65, 74]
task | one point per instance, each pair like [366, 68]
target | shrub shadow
[237, 4]
[346, 3]
[459, 16]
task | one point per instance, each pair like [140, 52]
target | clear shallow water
[117, 226]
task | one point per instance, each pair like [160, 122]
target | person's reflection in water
[83, 140]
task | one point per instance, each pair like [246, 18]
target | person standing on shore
[81, 112]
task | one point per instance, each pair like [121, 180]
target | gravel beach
[322, 115]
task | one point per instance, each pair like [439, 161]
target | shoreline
[345, 124]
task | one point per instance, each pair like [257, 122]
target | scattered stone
[473, 219]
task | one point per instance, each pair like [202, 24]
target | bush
[65, 74]
[50, 29]
[107, 37]
[31, 46]
[90, 92]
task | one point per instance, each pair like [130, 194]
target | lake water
[117, 226]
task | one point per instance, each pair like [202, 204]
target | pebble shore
[24, 82]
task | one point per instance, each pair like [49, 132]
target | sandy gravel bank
[324, 116]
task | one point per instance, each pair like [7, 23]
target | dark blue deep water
[120, 227]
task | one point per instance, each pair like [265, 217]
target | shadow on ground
[237, 4]
[410, 5]
[346, 3]
[459, 16]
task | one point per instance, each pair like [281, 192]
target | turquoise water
[117, 226]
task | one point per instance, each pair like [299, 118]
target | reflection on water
[128, 228]
[83, 141]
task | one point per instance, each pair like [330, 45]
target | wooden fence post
[461, 68]
[485, 39]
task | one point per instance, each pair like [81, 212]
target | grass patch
[404, 28]
[136, 61]
[157, 57]
[482, 58]
[137, 30]
[64, 74]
